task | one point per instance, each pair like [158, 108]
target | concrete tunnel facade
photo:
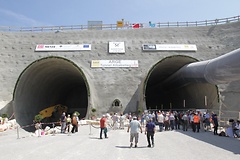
[32, 81]
[55, 80]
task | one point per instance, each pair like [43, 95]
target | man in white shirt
[134, 126]
[160, 119]
[115, 121]
[185, 121]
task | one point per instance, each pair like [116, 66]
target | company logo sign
[149, 47]
[116, 47]
[53, 47]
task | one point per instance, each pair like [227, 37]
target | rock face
[32, 81]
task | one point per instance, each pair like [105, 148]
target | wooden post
[18, 132]
[205, 100]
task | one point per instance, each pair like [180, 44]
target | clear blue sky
[79, 12]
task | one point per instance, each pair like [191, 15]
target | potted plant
[93, 115]
[37, 119]
[4, 118]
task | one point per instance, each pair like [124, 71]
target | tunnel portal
[48, 82]
[189, 96]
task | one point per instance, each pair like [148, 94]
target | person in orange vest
[196, 121]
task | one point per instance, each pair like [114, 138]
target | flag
[135, 25]
[151, 24]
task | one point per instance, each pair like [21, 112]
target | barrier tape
[11, 116]
[34, 124]
[95, 126]
[39, 124]
[109, 126]
[27, 126]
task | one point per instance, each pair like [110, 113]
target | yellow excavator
[53, 113]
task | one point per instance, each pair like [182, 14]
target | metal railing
[126, 25]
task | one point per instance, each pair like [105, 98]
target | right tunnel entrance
[167, 96]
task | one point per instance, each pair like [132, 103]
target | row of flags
[135, 25]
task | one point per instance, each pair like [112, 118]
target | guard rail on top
[126, 25]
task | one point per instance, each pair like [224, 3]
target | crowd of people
[149, 120]
[234, 129]
[167, 121]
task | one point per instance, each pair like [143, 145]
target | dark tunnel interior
[48, 82]
[191, 96]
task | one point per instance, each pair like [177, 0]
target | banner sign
[169, 47]
[68, 47]
[116, 47]
[114, 63]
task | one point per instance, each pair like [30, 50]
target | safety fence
[54, 127]
[39, 129]
[126, 25]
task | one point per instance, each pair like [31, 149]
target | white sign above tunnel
[169, 47]
[114, 63]
[116, 47]
[64, 47]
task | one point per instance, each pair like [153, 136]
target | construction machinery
[53, 113]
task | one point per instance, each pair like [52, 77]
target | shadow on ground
[226, 143]
[129, 147]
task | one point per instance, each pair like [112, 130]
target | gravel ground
[86, 145]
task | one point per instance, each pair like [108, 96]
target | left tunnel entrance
[48, 82]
